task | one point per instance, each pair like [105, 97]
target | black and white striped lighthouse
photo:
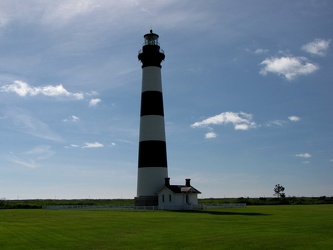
[152, 160]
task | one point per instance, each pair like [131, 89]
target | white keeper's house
[178, 197]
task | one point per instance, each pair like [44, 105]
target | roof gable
[181, 189]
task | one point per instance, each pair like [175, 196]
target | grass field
[254, 227]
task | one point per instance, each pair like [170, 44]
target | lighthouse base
[146, 201]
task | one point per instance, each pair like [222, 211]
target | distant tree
[2, 202]
[278, 191]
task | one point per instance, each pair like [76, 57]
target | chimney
[188, 182]
[167, 182]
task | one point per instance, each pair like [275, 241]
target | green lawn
[254, 227]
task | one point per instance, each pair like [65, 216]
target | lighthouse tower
[152, 160]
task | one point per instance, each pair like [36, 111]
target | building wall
[176, 201]
[164, 196]
[193, 199]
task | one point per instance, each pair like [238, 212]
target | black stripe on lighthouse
[151, 56]
[152, 154]
[152, 103]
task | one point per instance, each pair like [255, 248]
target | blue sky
[247, 87]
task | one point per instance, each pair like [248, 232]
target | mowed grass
[254, 227]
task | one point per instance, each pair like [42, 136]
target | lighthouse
[152, 156]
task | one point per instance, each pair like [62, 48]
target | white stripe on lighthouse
[152, 128]
[151, 79]
[150, 180]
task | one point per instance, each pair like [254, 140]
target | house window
[187, 199]
[163, 198]
[170, 197]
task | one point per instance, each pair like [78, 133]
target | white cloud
[31, 157]
[40, 152]
[24, 89]
[304, 155]
[92, 93]
[260, 51]
[242, 126]
[93, 145]
[241, 120]
[288, 67]
[281, 123]
[88, 145]
[21, 120]
[60, 13]
[28, 163]
[72, 146]
[318, 47]
[94, 102]
[294, 118]
[73, 118]
[210, 135]
[68, 10]
[276, 123]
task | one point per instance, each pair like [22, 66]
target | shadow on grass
[221, 213]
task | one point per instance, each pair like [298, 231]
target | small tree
[2, 202]
[278, 191]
